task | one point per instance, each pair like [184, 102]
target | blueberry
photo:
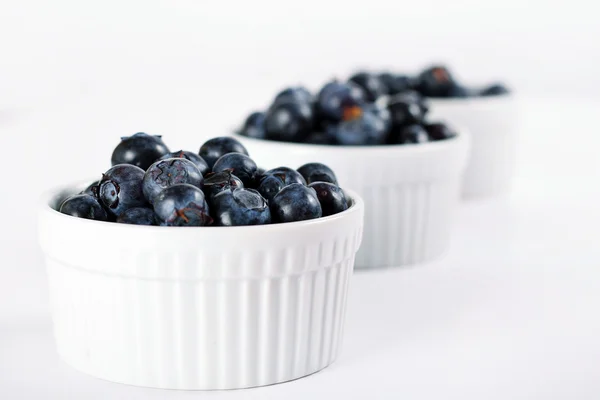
[239, 164]
[288, 121]
[240, 207]
[317, 172]
[172, 171]
[319, 138]
[335, 97]
[365, 129]
[409, 134]
[439, 131]
[494, 90]
[215, 148]
[216, 182]
[380, 110]
[138, 216]
[331, 197]
[254, 126]
[396, 83]
[406, 108]
[298, 94]
[121, 188]
[295, 202]
[276, 179]
[457, 91]
[435, 81]
[140, 150]
[83, 206]
[182, 205]
[372, 86]
[92, 189]
[193, 157]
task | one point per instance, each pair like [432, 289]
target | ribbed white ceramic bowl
[410, 191]
[493, 123]
[198, 308]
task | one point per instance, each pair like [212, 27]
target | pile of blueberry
[222, 185]
[368, 109]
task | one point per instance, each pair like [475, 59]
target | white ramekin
[410, 191]
[493, 124]
[198, 308]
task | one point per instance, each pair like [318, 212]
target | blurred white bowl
[198, 307]
[410, 191]
[493, 124]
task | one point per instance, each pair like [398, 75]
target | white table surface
[512, 311]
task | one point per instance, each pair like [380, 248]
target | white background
[510, 312]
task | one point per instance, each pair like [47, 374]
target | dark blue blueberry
[494, 90]
[332, 198]
[138, 216]
[216, 182]
[296, 94]
[215, 148]
[254, 126]
[319, 138]
[336, 97]
[439, 131]
[83, 206]
[406, 108]
[172, 171]
[193, 157]
[365, 129]
[276, 179]
[396, 83]
[182, 205]
[288, 121]
[239, 164]
[295, 202]
[458, 91]
[121, 188]
[372, 86]
[240, 207]
[409, 134]
[435, 81]
[317, 172]
[92, 189]
[140, 150]
[381, 111]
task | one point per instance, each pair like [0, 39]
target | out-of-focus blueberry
[335, 97]
[254, 126]
[371, 85]
[439, 131]
[288, 121]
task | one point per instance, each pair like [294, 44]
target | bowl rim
[510, 96]
[396, 149]
[46, 209]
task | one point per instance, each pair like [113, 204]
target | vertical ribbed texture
[280, 318]
[407, 223]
